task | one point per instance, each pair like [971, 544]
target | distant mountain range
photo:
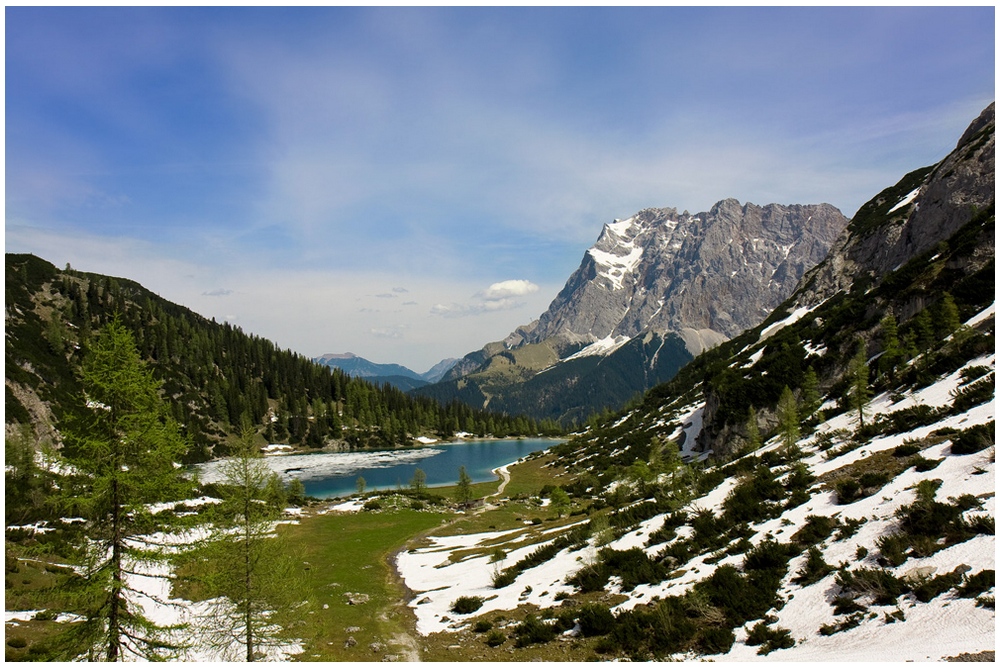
[653, 292]
[396, 375]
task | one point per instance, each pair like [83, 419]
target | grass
[350, 553]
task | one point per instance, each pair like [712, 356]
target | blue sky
[409, 184]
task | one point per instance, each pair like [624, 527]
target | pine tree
[126, 447]
[754, 441]
[248, 570]
[810, 393]
[788, 418]
[858, 373]
[947, 320]
[463, 491]
[360, 484]
[892, 353]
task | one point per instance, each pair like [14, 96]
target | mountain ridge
[698, 278]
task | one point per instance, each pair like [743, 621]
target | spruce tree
[126, 449]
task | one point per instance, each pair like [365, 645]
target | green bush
[372, 505]
[595, 620]
[769, 639]
[815, 530]
[814, 569]
[977, 583]
[973, 439]
[466, 604]
[482, 625]
[883, 586]
[17, 642]
[715, 640]
[533, 631]
[495, 638]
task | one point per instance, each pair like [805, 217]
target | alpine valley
[810, 475]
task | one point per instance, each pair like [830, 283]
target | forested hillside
[214, 375]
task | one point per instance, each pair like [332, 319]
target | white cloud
[501, 296]
[507, 289]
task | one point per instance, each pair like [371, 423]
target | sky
[408, 184]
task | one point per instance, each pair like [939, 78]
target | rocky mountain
[915, 261]
[654, 291]
[820, 487]
[398, 376]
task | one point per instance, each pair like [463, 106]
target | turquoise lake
[333, 474]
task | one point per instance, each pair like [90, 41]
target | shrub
[533, 631]
[17, 642]
[928, 589]
[920, 464]
[814, 569]
[881, 585]
[714, 640]
[482, 625]
[977, 583]
[847, 491]
[906, 449]
[595, 620]
[372, 505]
[973, 439]
[972, 395]
[466, 604]
[503, 578]
[495, 638]
[769, 639]
[815, 530]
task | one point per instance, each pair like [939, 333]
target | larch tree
[858, 374]
[754, 441]
[126, 449]
[419, 481]
[463, 490]
[248, 570]
[788, 418]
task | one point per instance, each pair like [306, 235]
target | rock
[351, 642]
[356, 598]
[376, 647]
[352, 629]
[917, 573]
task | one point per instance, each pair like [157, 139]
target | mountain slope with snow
[836, 498]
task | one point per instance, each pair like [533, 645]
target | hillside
[654, 290]
[213, 374]
[838, 496]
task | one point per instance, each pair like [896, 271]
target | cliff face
[654, 290]
[925, 208]
[706, 276]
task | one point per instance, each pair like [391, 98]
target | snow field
[945, 626]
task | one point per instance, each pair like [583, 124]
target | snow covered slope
[895, 629]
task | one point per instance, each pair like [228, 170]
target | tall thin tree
[248, 572]
[126, 448]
